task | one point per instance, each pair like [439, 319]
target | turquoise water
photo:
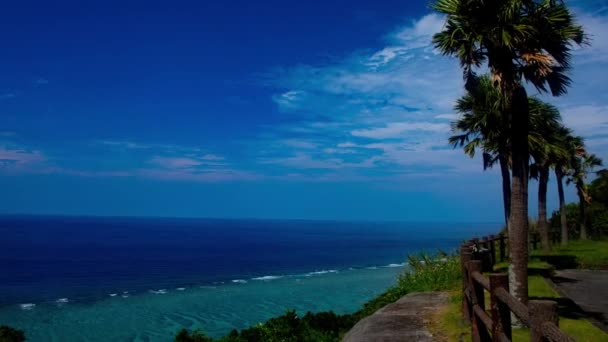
[215, 309]
[143, 279]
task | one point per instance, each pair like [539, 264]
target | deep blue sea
[142, 279]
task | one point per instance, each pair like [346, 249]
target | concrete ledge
[404, 320]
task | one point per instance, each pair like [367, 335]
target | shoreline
[215, 309]
[165, 288]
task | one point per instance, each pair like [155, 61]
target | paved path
[403, 320]
[588, 289]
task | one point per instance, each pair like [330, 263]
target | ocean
[143, 279]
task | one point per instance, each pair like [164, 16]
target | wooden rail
[493, 322]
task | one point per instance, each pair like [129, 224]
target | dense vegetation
[595, 215]
[587, 254]
[425, 273]
[518, 41]
[8, 334]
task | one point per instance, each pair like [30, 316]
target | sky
[333, 110]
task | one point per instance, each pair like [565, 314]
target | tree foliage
[426, 273]
[8, 334]
[518, 40]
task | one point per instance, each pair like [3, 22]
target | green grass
[578, 328]
[587, 254]
[582, 330]
[538, 288]
[426, 272]
[448, 324]
[535, 267]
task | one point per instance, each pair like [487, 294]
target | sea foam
[320, 272]
[27, 306]
[267, 278]
[161, 291]
[239, 281]
[62, 301]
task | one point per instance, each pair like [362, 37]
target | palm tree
[545, 147]
[520, 40]
[573, 145]
[598, 189]
[580, 166]
[483, 125]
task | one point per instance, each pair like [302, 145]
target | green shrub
[430, 273]
[194, 336]
[8, 334]
[425, 273]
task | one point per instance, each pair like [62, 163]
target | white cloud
[347, 144]
[41, 81]
[7, 96]
[300, 144]
[305, 161]
[289, 99]
[208, 176]
[419, 33]
[587, 120]
[386, 55]
[331, 150]
[397, 129]
[175, 162]
[212, 157]
[447, 116]
[125, 144]
[17, 157]
[596, 27]
[402, 96]
[391, 94]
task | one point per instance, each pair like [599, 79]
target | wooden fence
[493, 322]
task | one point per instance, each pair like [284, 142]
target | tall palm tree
[573, 145]
[483, 125]
[580, 166]
[598, 189]
[545, 147]
[520, 40]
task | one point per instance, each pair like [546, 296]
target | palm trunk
[506, 187]
[518, 223]
[543, 227]
[559, 175]
[581, 211]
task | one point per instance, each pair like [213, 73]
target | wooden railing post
[483, 256]
[501, 314]
[502, 247]
[465, 256]
[478, 329]
[541, 311]
[492, 251]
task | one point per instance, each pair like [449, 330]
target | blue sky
[312, 110]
